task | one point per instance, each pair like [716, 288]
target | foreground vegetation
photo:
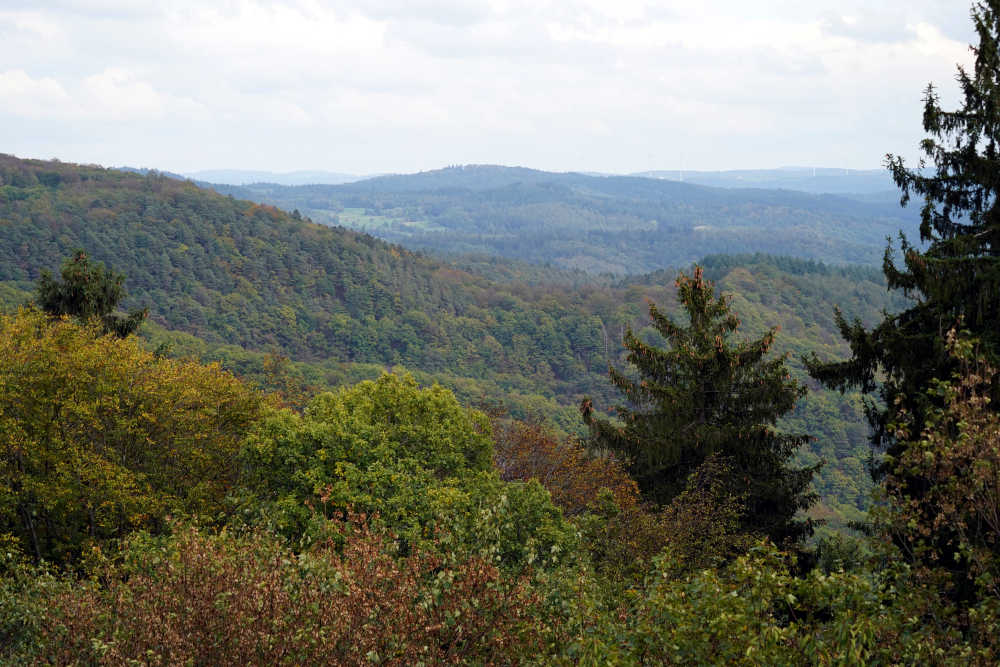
[156, 510]
[164, 512]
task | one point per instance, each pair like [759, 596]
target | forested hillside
[529, 526]
[598, 224]
[567, 419]
[233, 281]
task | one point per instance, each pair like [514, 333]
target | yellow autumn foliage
[99, 436]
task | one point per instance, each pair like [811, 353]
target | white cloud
[390, 85]
[101, 8]
[867, 26]
[23, 95]
[118, 94]
[445, 12]
[275, 31]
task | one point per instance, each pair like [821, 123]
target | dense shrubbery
[571, 474]
[375, 527]
[228, 599]
[757, 611]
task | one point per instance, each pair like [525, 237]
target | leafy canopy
[950, 526]
[412, 456]
[99, 437]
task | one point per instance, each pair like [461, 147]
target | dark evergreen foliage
[88, 291]
[705, 395]
[955, 282]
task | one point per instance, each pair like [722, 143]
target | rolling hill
[598, 224]
[250, 285]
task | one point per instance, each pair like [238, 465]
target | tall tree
[954, 283]
[88, 291]
[955, 280]
[705, 395]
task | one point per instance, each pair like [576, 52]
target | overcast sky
[404, 85]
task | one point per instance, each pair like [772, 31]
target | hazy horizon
[297, 172]
[830, 180]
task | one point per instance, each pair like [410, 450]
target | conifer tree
[702, 395]
[955, 280]
[88, 291]
[954, 283]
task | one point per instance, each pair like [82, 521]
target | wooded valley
[530, 418]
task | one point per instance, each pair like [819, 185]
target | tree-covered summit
[614, 224]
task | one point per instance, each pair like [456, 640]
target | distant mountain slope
[615, 224]
[143, 171]
[243, 280]
[243, 273]
[804, 179]
[460, 177]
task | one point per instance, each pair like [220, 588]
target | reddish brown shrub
[572, 476]
[225, 600]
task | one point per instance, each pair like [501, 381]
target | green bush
[415, 458]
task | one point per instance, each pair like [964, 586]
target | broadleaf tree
[703, 395]
[953, 524]
[99, 437]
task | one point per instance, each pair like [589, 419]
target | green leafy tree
[99, 437]
[412, 456]
[88, 291]
[705, 395]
